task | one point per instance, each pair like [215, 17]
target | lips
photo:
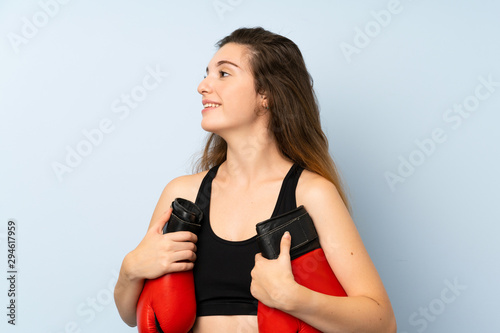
[208, 104]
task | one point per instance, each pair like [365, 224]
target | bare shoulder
[314, 190]
[185, 187]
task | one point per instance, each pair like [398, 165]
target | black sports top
[222, 268]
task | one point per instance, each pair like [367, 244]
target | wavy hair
[280, 73]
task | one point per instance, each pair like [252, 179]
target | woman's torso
[232, 214]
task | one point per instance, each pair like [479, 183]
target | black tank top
[222, 268]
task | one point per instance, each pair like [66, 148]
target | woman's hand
[158, 254]
[272, 280]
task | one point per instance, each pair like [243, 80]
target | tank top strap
[286, 199]
[203, 197]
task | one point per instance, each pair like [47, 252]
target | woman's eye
[223, 74]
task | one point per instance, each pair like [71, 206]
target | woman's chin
[209, 127]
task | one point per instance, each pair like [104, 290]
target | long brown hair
[281, 74]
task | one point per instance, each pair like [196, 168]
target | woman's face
[229, 98]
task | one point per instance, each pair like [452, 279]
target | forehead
[235, 53]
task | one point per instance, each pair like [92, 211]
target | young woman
[267, 154]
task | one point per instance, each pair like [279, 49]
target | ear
[264, 102]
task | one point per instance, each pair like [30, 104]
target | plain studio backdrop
[99, 111]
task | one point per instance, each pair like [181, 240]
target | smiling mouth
[211, 105]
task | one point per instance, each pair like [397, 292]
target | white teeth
[210, 105]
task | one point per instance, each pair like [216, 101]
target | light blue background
[439, 226]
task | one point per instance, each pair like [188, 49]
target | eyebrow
[222, 62]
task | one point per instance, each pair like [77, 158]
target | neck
[252, 157]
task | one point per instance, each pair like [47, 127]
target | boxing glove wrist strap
[186, 216]
[177, 224]
[300, 226]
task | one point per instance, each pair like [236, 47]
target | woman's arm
[157, 254]
[367, 307]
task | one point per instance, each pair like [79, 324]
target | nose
[204, 87]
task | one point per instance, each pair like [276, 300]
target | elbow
[128, 317]
[392, 326]
[129, 320]
[387, 320]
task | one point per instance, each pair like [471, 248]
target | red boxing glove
[168, 304]
[310, 267]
